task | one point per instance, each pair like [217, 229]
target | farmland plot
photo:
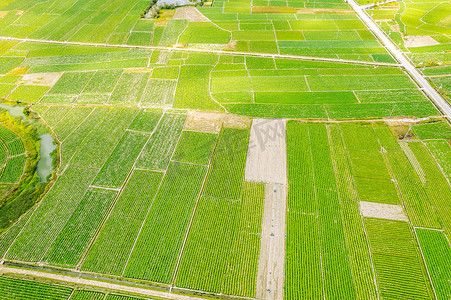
[74, 238]
[316, 242]
[99, 144]
[51, 215]
[119, 164]
[11, 288]
[221, 252]
[158, 150]
[112, 247]
[157, 248]
[437, 255]
[399, 268]
[195, 147]
[226, 176]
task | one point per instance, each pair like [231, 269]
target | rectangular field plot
[195, 147]
[71, 83]
[221, 252]
[12, 288]
[158, 150]
[227, 167]
[157, 248]
[437, 255]
[112, 247]
[74, 238]
[399, 268]
[100, 143]
[316, 243]
[119, 164]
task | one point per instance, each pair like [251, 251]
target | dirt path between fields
[99, 284]
[270, 276]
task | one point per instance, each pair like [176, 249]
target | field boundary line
[237, 53]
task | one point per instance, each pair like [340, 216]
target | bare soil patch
[235, 121]
[204, 121]
[419, 41]
[3, 13]
[190, 13]
[394, 28]
[382, 211]
[231, 46]
[267, 156]
[47, 79]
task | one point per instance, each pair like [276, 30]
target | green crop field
[17, 288]
[265, 149]
[12, 156]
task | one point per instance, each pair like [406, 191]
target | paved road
[397, 53]
[311, 58]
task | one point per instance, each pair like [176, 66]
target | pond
[15, 111]
[44, 167]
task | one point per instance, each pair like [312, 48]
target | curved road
[399, 56]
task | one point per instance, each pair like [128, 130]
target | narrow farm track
[96, 283]
[399, 56]
[267, 55]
